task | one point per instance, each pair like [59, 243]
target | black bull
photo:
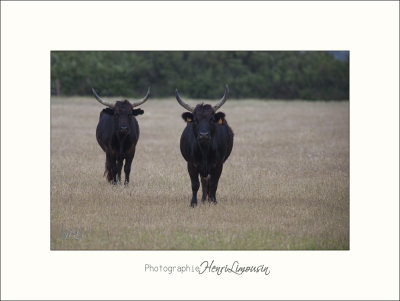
[117, 134]
[205, 144]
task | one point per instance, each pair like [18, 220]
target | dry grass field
[284, 187]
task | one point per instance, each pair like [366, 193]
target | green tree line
[202, 74]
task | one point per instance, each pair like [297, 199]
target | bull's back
[224, 140]
[104, 130]
[187, 143]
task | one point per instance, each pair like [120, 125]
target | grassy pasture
[284, 187]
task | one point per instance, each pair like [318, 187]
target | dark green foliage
[202, 74]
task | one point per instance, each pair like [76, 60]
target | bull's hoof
[193, 204]
[212, 200]
[205, 197]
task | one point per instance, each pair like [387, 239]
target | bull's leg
[127, 167]
[194, 177]
[120, 162]
[204, 187]
[111, 167]
[213, 183]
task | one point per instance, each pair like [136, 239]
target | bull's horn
[182, 103]
[223, 99]
[102, 101]
[139, 102]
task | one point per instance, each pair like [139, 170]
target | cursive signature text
[235, 268]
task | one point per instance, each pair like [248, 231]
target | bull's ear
[136, 112]
[219, 117]
[188, 117]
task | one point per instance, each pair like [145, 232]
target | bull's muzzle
[123, 129]
[204, 137]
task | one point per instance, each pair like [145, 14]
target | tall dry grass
[285, 185]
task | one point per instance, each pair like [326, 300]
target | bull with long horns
[206, 143]
[117, 134]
